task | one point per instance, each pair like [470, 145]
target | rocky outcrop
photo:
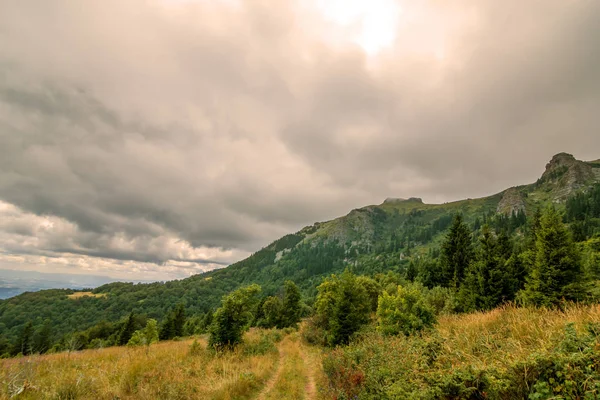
[511, 203]
[564, 174]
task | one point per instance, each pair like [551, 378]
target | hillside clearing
[79, 295]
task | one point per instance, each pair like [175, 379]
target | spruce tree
[457, 253]
[167, 330]
[483, 288]
[556, 269]
[178, 320]
[127, 331]
[24, 344]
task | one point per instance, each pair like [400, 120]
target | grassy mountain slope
[371, 239]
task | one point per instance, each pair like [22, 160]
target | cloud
[179, 136]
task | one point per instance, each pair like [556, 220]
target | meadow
[183, 369]
[507, 353]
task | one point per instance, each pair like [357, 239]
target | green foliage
[555, 274]
[127, 331]
[272, 312]
[405, 311]
[291, 308]
[42, 339]
[174, 325]
[373, 289]
[24, 344]
[146, 336]
[484, 285]
[342, 307]
[457, 253]
[583, 213]
[4, 347]
[233, 317]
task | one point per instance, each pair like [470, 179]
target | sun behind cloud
[373, 23]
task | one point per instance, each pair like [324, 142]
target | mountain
[371, 239]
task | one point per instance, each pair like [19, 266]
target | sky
[155, 139]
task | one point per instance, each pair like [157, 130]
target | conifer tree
[24, 344]
[127, 331]
[167, 330]
[484, 285]
[457, 253]
[42, 340]
[178, 320]
[556, 270]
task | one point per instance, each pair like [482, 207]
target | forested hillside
[405, 237]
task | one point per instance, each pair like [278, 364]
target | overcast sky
[154, 139]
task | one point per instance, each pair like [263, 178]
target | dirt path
[273, 380]
[294, 377]
[310, 388]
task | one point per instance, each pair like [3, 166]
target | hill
[372, 239]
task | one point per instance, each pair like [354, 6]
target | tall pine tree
[556, 270]
[484, 284]
[178, 320]
[24, 343]
[457, 253]
[127, 331]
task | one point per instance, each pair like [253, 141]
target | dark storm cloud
[194, 133]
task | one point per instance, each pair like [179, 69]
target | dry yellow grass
[78, 295]
[508, 333]
[167, 371]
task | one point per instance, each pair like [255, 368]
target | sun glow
[373, 24]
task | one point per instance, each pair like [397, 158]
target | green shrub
[342, 307]
[404, 312]
[233, 317]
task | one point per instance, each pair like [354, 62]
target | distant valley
[14, 282]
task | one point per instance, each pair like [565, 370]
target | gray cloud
[186, 136]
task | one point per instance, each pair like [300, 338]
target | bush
[195, 348]
[146, 336]
[342, 307]
[233, 317]
[404, 312]
[313, 334]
